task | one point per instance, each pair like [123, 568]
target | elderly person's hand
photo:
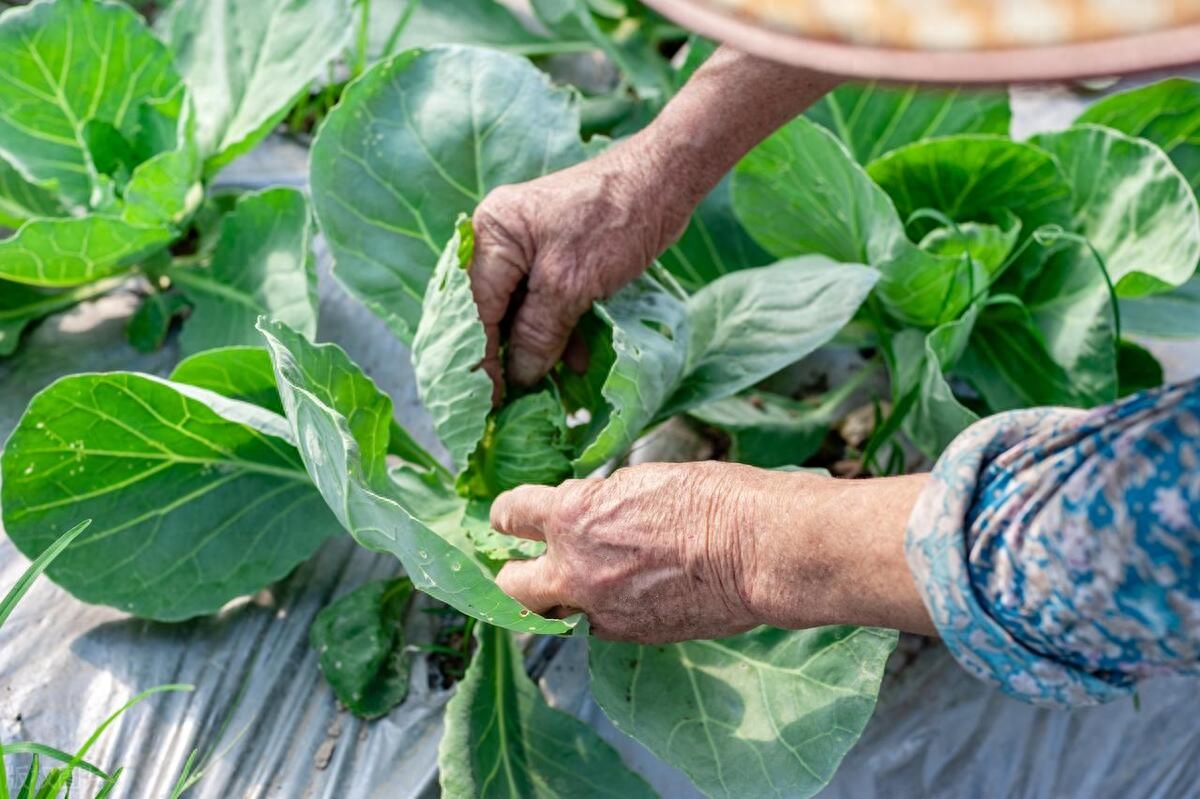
[671, 552]
[546, 249]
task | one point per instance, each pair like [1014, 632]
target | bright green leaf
[262, 266]
[68, 63]
[360, 640]
[340, 418]
[197, 499]
[1166, 113]
[872, 119]
[526, 444]
[989, 245]
[503, 741]
[21, 201]
[240, 373]
[417, 140]
[448, 348]
[769, 713]
[748, 325]
[246, 60]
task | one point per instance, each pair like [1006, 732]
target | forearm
[832, 552]
[733, 102]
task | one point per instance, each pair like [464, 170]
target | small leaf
[417, 140]
[448, 348]
[21, 201]
[766, 708]
[526, 444]
[262, 266]
[360, 639]
[341, 419]
[1137, 369]
[246, 60]
[503, 741]
[198, 499]
[150, 325]
[21, 306]
[872, 119]
[649, 342]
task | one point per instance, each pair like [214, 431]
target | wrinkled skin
[672, 552]
[569, 239]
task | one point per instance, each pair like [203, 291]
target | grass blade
[26, 790]
[25, 748]
[110, 784]
[33, 572]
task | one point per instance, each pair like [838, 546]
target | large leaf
[262, 266]
[714, 243]
[649, 341]
[245, 61]
[1175, 314]
[71, 68]
[360, 640]
[974, 178]
[240, 373]
[341, 420]
[503, 741]
[750, 324]
[448, 348]
[800, 192]
[1166, 113]
[417, 140]
[872, 119]
[197, 499]
[1132, 205]
[766, 713]
[21, 306]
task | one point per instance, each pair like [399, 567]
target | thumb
[533, 583]
[541, 329]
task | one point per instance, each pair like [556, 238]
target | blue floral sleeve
[1058, 551]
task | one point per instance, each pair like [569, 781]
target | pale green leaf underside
[344, 457]
[1133, 206]
[872, 120]
[769, 713]
[419, 139]
[197, 500]
[262, 266]
[650, 338]
[503, 741]
[246, 60]
[750, 324]
[447, 350]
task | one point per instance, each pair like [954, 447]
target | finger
[497, 270]
[524, 512]
[533, 583]
[540, 331]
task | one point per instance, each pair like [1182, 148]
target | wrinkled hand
[566, 239]
[654, 553]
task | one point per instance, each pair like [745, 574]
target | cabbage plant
[987, 273]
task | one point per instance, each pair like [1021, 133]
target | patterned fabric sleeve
[1058, 551]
